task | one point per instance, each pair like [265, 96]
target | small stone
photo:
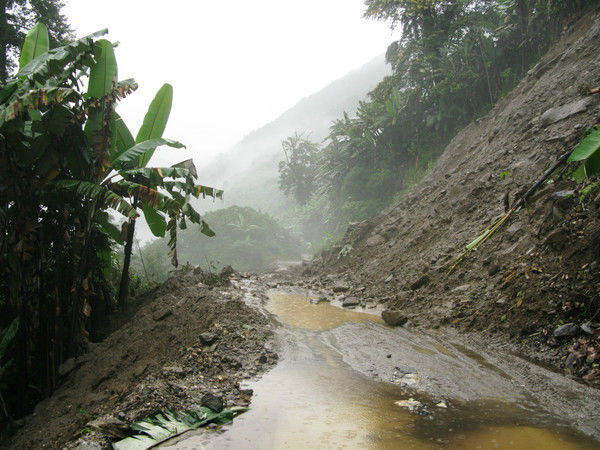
[390, 278]
[423, 281]
[393, 318]
[441, 405]
[463, 288]
[587, 328]
[493, 270]
[389, 356]
[566, 330]
[207, 338]
[340, 287]
[350, 301]
[161, 314]
[213, 402]
[262, 359]
[571, 360]
[374, 240]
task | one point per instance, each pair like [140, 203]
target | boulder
[393, 318]
[566, 330]
[559, 113]
[350, 301]
[213, 402]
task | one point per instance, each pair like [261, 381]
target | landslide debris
[541, 271]
[187, 345]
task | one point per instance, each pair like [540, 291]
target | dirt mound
[541, 270]
[187, 339]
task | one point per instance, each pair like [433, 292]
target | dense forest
[452, 62]
[74, 180]
[69, 165]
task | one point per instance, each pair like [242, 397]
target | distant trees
[17, 17]
[453, 60]
[297, 173]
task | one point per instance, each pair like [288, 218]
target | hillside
[248, 171]
[541, 270]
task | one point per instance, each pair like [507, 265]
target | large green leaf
[122, 137]
[155, 220]
[100, 194]
[161, 427]
[588, 152]
[141, 149]
[587, 147]
[156, 119]
[103, 74]
[113, 231]
[36, 43]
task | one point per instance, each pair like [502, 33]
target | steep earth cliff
[541, 270]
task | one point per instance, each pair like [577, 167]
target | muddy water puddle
[312, 399]
[298, 311]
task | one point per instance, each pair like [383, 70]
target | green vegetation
[587, 153]
[454, 60]
[162, 427]
[245, 239]
[68, 164]
[19, 16]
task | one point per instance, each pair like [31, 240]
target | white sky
[235, 65]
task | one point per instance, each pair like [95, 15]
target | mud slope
[185, 339]
[542, 269]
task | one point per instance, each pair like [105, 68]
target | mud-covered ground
[185, 339]
[542, 269]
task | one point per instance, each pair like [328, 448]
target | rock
[110, 426]
[161, 314]
[207, 338]
[374, 240]
[393, 318]
[226, 272]
[559, 113]
[213, 402]
[566, 330]
[571, 360]
[413, 406]
[493, 270]
[441, 405]
[390, 278]
[350, 301]
[340, 287]
[174, 370]
[462, 288]
[423, 281]
[587, 328]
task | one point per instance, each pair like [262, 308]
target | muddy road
[346, 380]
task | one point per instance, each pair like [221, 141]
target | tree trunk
[3, 42]
[523, 9]
[124, 285]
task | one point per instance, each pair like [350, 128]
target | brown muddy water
[313, 400]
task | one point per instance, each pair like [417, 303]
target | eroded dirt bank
[542, 270]
[186, 339]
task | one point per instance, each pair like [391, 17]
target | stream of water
[312, 399]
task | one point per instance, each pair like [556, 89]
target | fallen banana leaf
[162, 426]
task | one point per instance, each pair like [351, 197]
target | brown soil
[542, 269]
[154, 362]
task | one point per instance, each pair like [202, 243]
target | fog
[234, 65]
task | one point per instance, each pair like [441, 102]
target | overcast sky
[235, 65]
